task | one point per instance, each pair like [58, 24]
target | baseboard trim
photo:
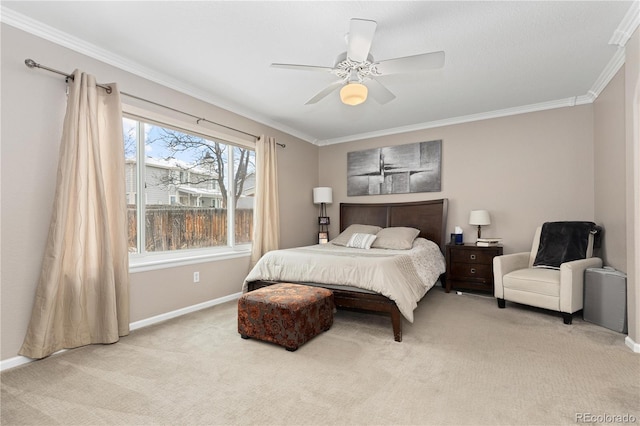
[183, 311]
[21, 360]
[17, 361]
[635, 347]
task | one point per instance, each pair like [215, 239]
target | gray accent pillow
[343, 238]
[396, 238]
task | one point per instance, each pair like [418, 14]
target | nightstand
[470, 267]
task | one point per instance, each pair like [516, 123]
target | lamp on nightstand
[323, 195]
[479, 217]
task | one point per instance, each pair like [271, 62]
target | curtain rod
[33, 64]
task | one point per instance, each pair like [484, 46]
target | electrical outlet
[196, 277]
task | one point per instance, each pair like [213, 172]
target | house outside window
[198, 190]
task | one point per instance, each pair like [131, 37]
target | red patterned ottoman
[286, 314]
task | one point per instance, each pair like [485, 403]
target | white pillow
[362, 241]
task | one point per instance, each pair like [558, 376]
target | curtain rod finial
[30, 63]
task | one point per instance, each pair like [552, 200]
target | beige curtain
[266, 212]
[83, 291]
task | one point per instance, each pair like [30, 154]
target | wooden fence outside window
[178, 228]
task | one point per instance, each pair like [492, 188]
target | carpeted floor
[463, 362]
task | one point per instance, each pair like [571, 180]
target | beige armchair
[516, 280]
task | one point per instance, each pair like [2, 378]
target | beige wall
[525, 169]
[632, 125]
[609, 149]
[33, 106]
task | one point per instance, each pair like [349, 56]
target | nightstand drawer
[472, 256]
[470, 267]
[462, 271]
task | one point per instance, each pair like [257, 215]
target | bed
[429, 217]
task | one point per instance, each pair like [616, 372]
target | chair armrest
[504, 264]
[572, 283]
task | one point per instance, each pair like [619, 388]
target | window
[198, 191]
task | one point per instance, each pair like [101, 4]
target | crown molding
[627, 26]
[37, 28]
[573, 101]
[607, 74]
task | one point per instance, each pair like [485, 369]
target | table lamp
[479, 217]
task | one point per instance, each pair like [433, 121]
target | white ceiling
[501, 57]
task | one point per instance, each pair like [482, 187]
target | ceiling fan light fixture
[353, 94]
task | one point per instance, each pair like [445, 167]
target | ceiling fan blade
[380, 93]
[324, 92]
[302, 67]
[407, 64]
[360, 37]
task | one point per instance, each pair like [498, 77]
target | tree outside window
[198, 192]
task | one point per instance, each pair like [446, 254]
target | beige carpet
[463, 362]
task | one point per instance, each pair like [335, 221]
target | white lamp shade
[479, 217]
[322, 194]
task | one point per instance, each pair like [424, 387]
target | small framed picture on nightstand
[323, 220]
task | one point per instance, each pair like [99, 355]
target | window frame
[146, 261]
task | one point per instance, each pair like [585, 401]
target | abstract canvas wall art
[396, 169]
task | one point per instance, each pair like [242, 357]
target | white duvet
[403, 276]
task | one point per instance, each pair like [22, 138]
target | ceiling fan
[356, 66]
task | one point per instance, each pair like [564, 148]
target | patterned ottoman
[285, 314]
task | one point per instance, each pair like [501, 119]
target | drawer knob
[473, 257]
[473, 270]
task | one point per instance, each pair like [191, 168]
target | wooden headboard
[430, 217]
